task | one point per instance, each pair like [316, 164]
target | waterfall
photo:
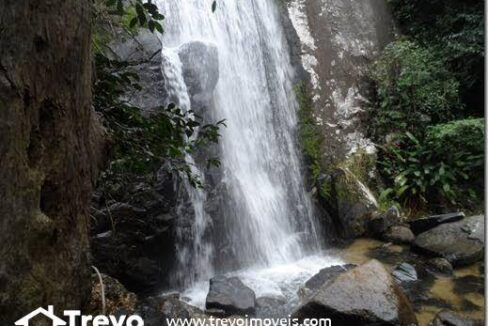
[266, 216]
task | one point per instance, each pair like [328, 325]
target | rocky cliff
[338, 39]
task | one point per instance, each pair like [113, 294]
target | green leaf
[133, 22]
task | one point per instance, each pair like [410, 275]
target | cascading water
[267, 216]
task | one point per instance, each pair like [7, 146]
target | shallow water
[442, 290]
[283, 281]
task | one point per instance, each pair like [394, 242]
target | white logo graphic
[72, 316]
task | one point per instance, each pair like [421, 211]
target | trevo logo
[74, 315]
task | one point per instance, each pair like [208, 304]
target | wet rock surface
[399, 235]
[405, 273]
[426, 223]
[365, 295]
[143, 53]
[450, 318]
[200, 61]
[327, 274]
[458, 242]
[440, 265]
[230, 295]
[269, 307]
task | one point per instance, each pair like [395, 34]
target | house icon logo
[49, 313]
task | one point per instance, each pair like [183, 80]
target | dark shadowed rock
[230, 295]
[459, 242]
[365, 295]
[399, 235]
[426, 223]
[405, 273]
[440, 265]
[450, 318]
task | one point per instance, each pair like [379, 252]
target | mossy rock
[349, 201]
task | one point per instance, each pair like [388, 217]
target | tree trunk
[50, 143]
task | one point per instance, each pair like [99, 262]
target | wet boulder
[365, 295]
[405, 273]
[326, 274]
[230, 295]
[450, 318]
[200, 64]
[426, 223]
[461, 243]
[399, 235]
[270, 307]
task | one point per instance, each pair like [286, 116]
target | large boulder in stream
[365, 295]
[200, 64]
[461, 243]
[231, 296]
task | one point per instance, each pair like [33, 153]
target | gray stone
[270, 307]
[405, 273]
[426, 223]
[230, 295]
[450, 318]
[200, 63]
[379, 224]
[327, 274]
[458, 242]
[365, 295]
[399, 235]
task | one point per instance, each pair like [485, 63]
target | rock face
[350, 203]
[461, 242]
[50, 149]
[133, 239]
[339, 36]
[143, 53]
[230, 295]
[426, 223]
[399, 235]
[450, 318]
[200, 63]
[365, 295]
